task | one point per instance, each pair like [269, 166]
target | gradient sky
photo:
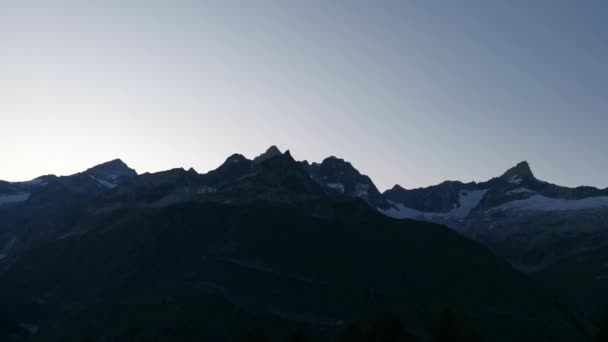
[411, 92]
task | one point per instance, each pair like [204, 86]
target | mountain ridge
[321, 230]
[493, 212]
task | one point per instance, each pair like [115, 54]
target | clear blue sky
[411, 92]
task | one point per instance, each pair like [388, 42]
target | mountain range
[291, 243]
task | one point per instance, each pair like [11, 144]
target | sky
[410, 92]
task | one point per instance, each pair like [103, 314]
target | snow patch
[361, 190]
[466, 202]
[542, 203]
[398, 210]
[520, 191]
[336, 186]
[514, 180]
[105, 183]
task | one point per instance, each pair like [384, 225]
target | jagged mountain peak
[340, 177]
[272, 151]
[276, 159]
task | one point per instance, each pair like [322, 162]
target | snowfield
[466, 202]
[542, 203]
[520, 191]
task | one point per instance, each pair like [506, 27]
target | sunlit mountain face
[281, 245]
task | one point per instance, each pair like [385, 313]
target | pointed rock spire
[519, 172]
